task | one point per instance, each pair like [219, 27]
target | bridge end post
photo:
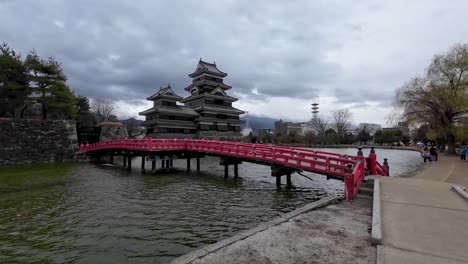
[349, 183]
[387, 168]
[373, 161]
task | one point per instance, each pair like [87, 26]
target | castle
[206, 113]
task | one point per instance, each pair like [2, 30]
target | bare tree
[102, 109]
[342, 120]
[320, 125]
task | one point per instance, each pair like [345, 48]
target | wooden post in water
[288, 180]
[111, 158]
[153, 166]
[236, 170]
[163, 162]
[124, 160]
[226, 171]
[278, 182]
[198, 163]
[129, 163]
[167, 164]
[171, 163]
[143, 164]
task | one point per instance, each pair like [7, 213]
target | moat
[85, 213]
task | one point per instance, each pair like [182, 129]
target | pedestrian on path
[463, 153]
[433, 152]
[426, 154]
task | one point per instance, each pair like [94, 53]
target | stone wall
[37, 141]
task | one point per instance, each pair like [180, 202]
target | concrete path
[337, 233]
[423, 219]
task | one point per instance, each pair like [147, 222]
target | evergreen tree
[47, 86]
[13, 81]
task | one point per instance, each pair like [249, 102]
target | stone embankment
[37, 141]
[338, 232]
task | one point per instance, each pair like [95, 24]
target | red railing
[316, 161]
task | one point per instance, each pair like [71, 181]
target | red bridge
[283, 160]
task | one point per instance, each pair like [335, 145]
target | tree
[47, 86]
[310, 138]
[440, 96]
[364, 137]
[378, 137]
[320, 125]
[342, 119]
[102, 109]
[331, 137]
[13, 81]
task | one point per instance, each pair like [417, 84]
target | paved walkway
[423, 219]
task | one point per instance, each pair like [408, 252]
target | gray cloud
[125, 50]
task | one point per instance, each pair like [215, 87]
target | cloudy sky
[280, 55]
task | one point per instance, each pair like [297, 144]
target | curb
[194, 255]
[461, 191]
[376, 236]
[380, 255]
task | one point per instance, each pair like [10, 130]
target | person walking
[426, 154]
[433, 153]
[463, 153]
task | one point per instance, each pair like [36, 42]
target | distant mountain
[133, 121]
[256, 122]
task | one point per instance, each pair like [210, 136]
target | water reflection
[96, 214]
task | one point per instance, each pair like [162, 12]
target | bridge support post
[188, 164]
[167, 164]
[236, 171]
[129, 163]
[226, 171]
[288, 181]
[171, 163]
[111, 158]
[143, 164]
[153, 166]
[278, 182]
[163, 162]
[124, 160]
[198, 163]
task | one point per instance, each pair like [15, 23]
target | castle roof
[166, 92]
[206, 67]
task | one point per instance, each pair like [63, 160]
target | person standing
[433, 153]
[463, 153]
[426, 154]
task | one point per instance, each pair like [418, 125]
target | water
[85, 213]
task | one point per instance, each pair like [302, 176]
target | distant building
[306, 127]
[206, 113]
[285, 128]
[400, 127]
[369, 127]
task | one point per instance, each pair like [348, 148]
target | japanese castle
[206, 113]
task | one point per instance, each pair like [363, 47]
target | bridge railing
[351, 168]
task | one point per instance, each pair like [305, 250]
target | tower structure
[209, 99]
[315, 109]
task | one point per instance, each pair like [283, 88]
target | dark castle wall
[37, 141]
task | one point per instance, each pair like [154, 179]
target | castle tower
[209, 99]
